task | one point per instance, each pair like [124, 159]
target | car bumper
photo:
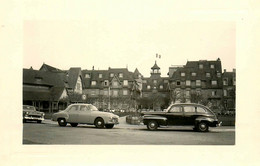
[33, 118]
[113, 121]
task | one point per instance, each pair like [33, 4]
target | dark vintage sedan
[31, 114]
[183, 114]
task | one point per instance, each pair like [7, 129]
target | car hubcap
[99, 123]
[202, 126]
[62, 121]
[152, 125]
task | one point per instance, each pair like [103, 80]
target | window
[207, 74]
[111, 74]
[148, 87]
[214, 93]
[93, 83]
[225, 81]
[120, 75]
[78, 86]
[165, 81]
[214, 82]
[161, 86]
[187, 82]
[144, 81]
[182, 74]
[218, 74]
[178, 82]
[154, 87]
[84, 108]
[175, 109]
[225, 92]
[105, 92]
[234, 81]
[115, 83]
[125, 92]
[87, 75]
[189, 109]
[212, 66]
[155, 81]
[73, 108]
[187, 93]
[100, 75]
[198, 82]
[115, 92]
[193, 74]
[106, 82]
[93, 92]
[125, 82]
[201, 110]
[201, 66]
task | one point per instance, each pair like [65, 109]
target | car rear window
[201, 110]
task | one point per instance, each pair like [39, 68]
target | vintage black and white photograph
[133, 77]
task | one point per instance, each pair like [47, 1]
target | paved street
[49, 132]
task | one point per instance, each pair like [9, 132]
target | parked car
[196, 115]
[85, 114]
[31, 114]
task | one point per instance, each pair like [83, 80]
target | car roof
[80, 104]
[189, 104]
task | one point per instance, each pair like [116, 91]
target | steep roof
[73, 75]
[46, 67]
[50, 85]
[155, 66]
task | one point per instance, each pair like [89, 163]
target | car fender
[58, 115]
[202, 118]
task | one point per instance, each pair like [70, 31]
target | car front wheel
[202, 127]
[152, 125]
[109, 126]
[99, 123]
[62, 122]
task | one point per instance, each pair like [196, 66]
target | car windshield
[28, 108]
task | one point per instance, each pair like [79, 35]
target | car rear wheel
[202, 127]
[74, 124]
[99, 123]
[62, 122]
[109, 126]
[152, 125]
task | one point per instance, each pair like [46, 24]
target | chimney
[92, 67]
[234, 70]
[225, 70]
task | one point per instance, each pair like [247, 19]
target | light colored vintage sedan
[31, 114]
[85, 114]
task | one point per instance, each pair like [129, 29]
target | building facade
[229, 90]
[198, 82]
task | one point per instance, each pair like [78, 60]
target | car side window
[73, 108]
[84, 108]
[175, 109]
[201, 110]
[189, 109]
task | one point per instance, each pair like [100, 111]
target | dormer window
[87, 75]
[182, 74]
[155, 81]
[120, 75]
[207, 74]
[200, 66]
[212, 66]
[111, 74]
[106, 83]
[161, 86]
[148, 87]
[100, 75]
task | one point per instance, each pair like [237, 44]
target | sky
[126, 34]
